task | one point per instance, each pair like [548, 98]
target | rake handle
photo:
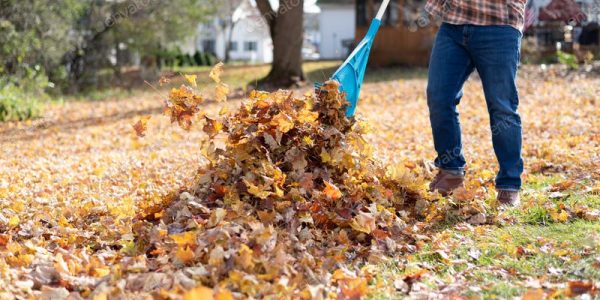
[382, 9]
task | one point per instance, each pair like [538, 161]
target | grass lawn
[533, 251]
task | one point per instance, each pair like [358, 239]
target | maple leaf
[185, 255]
[221, 91]
[331, 191]
[215, 73]
[185, 238]
[141, 126]
[283, 122]
[192, 79]
[212, 127]
[182, 105]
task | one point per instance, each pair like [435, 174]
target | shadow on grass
[39, 130]
[373, 75]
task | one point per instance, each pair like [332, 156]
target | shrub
[17, 105]
[21, 95]
[567, 59]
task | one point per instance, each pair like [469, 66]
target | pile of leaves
[290, 194]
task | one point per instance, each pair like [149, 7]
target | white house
[337, 26]
[250, 40]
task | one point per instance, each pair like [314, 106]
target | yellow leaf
[14, 221]
[223, 110]
[100, 272]
[191, 79]
[325, 157]
[283, 122]
[199, 293]
[184, 255]
[307, 116]
[244, 258]
[257, 191]
[364, 222]
[563, 216]
[223, 295]
[101, 296]
[21, 260]
[221, 91]
[185, 238]
[215, 73]
[308, 141]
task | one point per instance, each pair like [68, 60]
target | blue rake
[351, 73]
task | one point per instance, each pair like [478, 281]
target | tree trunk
[228, 41]
[287, 32]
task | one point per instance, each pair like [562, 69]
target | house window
[250, 46]
[233, 46]
[209, 46]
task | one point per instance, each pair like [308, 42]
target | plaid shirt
[479, 12]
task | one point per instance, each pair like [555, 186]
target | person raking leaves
[482, 35]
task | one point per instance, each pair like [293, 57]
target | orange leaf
[199, 293]
[223, 295]
[141, 126]
[533, 294]
[184, 255]
[576, 288]
[5, 239]
[332, 191]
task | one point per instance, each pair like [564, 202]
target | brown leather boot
[446, 181]
[508, 198]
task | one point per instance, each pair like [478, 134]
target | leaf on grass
[533, 294]
[578, 287]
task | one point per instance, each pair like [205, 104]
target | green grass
[564, 242]
[239, 77]
[532, 246]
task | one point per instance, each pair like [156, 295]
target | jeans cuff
[508, 188]
[437, 165]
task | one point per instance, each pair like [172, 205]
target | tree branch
[266, 11]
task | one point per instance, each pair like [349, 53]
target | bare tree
[287, 32]
[228, 16]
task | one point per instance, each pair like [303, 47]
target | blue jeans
[494, 52]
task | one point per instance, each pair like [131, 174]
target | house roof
[310, 6]
[562, 10]
[335, 2]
